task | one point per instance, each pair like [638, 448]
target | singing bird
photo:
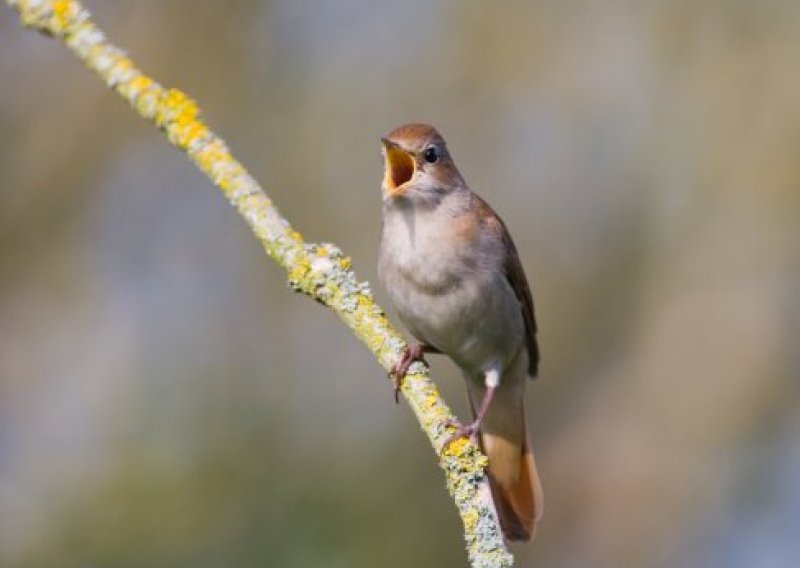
[453, 274]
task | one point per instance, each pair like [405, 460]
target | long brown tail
[513, 478]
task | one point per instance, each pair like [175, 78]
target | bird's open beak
[398, 166]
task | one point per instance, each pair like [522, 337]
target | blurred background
[166, 401]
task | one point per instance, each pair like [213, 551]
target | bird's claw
[398, 373]
[462, 431]
[397, 383]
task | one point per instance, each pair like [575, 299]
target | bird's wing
[516, 278]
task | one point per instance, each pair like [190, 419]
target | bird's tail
[513, 478]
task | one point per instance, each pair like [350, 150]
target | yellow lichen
[431, 400]
[178, 103]
[140, 83]
[211, 155]
[62, 11]
[122, 65]
[186, 130]
[470, 519]
[226, 183]
[457, 448]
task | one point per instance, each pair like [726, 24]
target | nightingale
[455, 279]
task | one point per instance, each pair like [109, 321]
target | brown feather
[513, 478]
[519, 283]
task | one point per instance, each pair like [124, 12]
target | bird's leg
[471, 430]
[414, 352]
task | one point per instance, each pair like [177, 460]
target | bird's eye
[431, 155]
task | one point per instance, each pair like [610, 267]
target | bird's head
[417, 165]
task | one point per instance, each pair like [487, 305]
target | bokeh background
[166, 401]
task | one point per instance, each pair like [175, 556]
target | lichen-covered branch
[321, 271]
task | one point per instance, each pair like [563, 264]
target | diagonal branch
[321, 271]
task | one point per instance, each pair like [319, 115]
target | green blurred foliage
[166, 401]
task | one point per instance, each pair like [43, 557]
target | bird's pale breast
[445, 278]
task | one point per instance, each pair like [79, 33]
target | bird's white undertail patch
[492, 377]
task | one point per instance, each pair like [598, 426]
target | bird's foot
[412, 353]
[462, 431]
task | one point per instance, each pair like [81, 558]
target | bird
[456, 281]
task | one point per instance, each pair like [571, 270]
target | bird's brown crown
[414, 136]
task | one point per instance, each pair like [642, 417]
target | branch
[320, 271]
